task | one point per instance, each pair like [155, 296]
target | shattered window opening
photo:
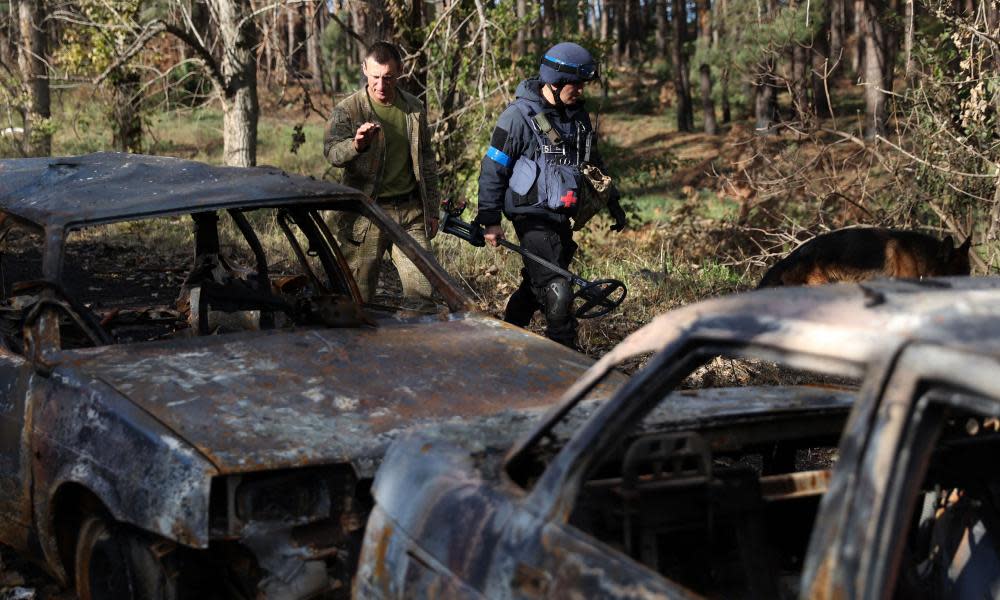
[126, 293]
[712, 493]
[951, 519]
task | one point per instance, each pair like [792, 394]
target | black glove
[621, 221]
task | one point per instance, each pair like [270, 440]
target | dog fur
[858, 254]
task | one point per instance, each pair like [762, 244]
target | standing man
[379, 136]
[532, 173]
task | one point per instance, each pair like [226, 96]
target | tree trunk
[548, 19]
[632, 27]
[34, 74]
[727, 111]
[8, 44]
[858, 37]
[908, 42]
[275, 51]
[682, 83]
[582, 8]
[800, 99]
[126, 109]
[291, 16]
[521, 41]
[661, 27]
[412, 37]
[838, 17]
[622, 32]
[704, 71]
[238, 32]
[821, 69]
[765, 99]
[890, 46]
[313, 55]
[874, 70]
[605, 20]
[538, 39]
[721, 12]
[992, 25]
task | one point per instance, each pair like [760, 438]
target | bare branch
[348, 30]
[156, 27]
[939, 168]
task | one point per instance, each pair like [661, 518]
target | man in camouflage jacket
[379, 136]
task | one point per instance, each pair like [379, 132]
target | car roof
[959, 312]
[111, 186]
[854, 323]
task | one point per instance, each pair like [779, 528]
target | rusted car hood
[265, 400]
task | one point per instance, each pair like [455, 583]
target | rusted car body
[881, 482]
[150, 452]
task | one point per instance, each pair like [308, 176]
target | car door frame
[554, 494]
[15, 450]
[858, 551]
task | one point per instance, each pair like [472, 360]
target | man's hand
[493, 235]
[364, 136]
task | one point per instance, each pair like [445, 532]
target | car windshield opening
[206, 273]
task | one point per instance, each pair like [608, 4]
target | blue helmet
[567, 62]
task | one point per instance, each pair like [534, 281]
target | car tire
[115, 562]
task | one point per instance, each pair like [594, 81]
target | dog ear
[966, 245]
[947, 243]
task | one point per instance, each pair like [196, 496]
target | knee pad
[558, 300]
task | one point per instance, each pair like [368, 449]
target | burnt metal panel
[110, 186]
[85, 433]
[267, 400]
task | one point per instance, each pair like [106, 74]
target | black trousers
[541, 288]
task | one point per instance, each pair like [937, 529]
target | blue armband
[498, 156]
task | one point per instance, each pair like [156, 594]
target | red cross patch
[568, 199]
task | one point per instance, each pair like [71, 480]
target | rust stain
[380, 554]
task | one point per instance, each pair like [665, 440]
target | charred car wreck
[879, 483]
[214, 434]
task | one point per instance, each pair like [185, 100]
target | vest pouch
[596, 192]
[561, 187]
[523, 176]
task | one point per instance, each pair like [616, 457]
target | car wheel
[114, 562]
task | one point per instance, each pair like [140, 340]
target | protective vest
[555, 167]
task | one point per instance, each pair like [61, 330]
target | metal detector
[599, 297]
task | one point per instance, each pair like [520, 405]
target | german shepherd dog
[858, 254]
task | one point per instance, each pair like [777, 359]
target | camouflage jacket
[363, 170]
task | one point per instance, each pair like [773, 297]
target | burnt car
[200, 413]
[866, 472]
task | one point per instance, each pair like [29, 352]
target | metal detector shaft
[538, 259]
[599, 297]
[473, 233]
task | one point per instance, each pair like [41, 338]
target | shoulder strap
[538, 122]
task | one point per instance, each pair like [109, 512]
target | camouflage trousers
[364, 245]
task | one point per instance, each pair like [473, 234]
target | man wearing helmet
[532, 173]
